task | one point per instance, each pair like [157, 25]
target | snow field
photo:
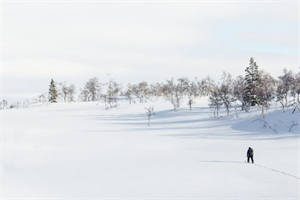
[82, 151]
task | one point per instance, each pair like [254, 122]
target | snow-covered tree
[3, 104]
[265, 90]
[140, 90]
[149, 113]
[64, 91]
[296, 87]
[129, 93]
[172, 94]
[84, 95]
[251, 83]
[187, 88]
[91, 90]
[238, 90]
[143, 91]
[192, 93]
[159, 87]
[286, 82]
[280, 95]
[215, 100]
[71, 92]
[183, 85]
[52, 95]
[205, 86]
[42, 98]
[226, 91]
[112, 92]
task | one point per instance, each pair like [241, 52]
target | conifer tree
[251, 83]
[52, 92]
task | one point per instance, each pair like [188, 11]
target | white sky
[131, 40]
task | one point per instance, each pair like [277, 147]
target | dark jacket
[250, 152]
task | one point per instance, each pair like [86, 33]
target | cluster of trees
[254, 88]
[66, 92]
[3, 104]
[172, 90]
[94, 90]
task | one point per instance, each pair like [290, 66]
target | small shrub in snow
[149, 113]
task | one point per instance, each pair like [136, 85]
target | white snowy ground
[82, 151]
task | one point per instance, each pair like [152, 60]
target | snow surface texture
[82, 151]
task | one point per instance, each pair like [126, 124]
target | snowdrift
[275, 121]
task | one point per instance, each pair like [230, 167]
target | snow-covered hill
[82, 151]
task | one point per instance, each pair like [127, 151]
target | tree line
[254, 88]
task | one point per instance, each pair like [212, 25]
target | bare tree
[280, 95]
[128, 93]
[285, 83]
[142, 91]
[238, 90]
[3, 104]
[155, 90]
[192, 92]
[295, 90]
[149, 113]
[91, 90]
[63, 91]
[42, 98]
[187, 88]
[215, 100]
[226, 91]
[183, 85]
[71, 92]
[171, 93]
[112, 92]
[205, 86]
[66, 92]
[265, 91]
[84, 95]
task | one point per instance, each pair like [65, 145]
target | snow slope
[82, 151]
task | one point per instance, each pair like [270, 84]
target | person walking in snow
[250, 154]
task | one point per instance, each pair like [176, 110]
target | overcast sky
[130, 41]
